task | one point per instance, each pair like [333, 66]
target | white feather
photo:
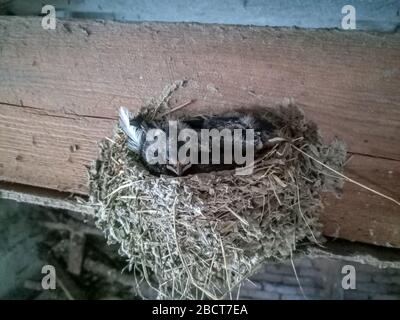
[134, 133]
[124, 121]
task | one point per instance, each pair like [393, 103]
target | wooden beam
[361, 215]
[60, 91]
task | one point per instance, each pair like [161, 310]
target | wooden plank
[361, 215]
[60, 91]
[347, 81]
[342, 250]
[76, 252]
[71, 289]
[44, 197]
[49, 151]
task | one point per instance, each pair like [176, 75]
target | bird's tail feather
[134, 134]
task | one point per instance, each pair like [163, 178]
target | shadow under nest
[199, 236]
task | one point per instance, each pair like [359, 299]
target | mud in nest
[200, 236]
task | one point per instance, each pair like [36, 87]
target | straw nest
[200, 236]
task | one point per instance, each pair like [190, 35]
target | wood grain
[361, 215]
[60, 91]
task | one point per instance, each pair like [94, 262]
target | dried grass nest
[200, 236]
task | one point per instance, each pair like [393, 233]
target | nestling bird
[196, 145]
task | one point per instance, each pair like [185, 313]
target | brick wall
[320, 279]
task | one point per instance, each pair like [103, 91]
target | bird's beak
[179, 168]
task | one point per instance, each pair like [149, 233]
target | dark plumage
[136, 129]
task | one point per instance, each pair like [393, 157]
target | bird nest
[199, 236]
